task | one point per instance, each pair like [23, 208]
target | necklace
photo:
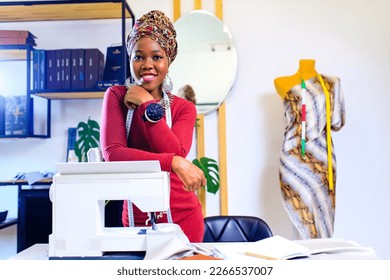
[166, 103]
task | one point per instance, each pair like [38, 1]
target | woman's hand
[192, 176]
[135, 96]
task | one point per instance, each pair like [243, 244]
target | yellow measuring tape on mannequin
[328, 136]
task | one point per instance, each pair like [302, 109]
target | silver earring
[167, 84]
[129, 83]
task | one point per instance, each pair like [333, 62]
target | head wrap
[156, 26]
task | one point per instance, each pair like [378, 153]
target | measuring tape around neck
[129, 119]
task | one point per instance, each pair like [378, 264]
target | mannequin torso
[306, 71]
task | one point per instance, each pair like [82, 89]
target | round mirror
[206, 60]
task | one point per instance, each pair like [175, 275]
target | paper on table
[272, 248]
[231, 251]
[276, 248]
[334, 246]
[279, 248]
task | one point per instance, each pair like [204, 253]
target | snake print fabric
[304, 180]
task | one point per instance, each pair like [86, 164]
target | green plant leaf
[210, 169]
[88, 137]
[197, 122]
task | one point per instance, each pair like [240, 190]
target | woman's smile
[148, 77]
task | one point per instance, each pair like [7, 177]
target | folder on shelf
[58, 69]
[94, 66]
[38, 69]
[50, 69]
[114, 68]
[77, 69]
[41, 69]
[81, 74]
[35, 69]
[66, 69]
[74, 69]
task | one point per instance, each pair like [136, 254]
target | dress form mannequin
[304, 177]
[306, 71]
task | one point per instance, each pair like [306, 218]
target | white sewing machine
[78, 195]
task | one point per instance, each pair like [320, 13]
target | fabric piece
[167, 242]
[158, 27]
[304, 181]
[200, 257]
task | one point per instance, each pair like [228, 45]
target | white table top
[332, 249]
[322, 249]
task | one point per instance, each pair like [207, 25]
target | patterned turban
[156, 26]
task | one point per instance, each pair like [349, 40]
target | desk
[8, 222]
[34, 220]
[40, 252]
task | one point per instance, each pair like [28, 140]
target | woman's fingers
[192, 176]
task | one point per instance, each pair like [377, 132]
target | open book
[279, 248]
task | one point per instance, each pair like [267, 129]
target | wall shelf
[12, 54]
[71, 95]
[63, 10]
[59, 10]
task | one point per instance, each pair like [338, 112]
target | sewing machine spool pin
[153, 220]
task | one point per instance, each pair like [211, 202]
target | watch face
[154, 112]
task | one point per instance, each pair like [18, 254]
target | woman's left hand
[192, 176]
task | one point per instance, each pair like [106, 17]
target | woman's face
[149, 65]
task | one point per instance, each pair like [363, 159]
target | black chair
[235, 229]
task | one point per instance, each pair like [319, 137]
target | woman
[160, 124]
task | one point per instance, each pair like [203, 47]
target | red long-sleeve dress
[153, 141]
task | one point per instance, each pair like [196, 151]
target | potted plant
[210, 169]
[88, 137]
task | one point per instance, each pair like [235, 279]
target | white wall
[347, 38]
